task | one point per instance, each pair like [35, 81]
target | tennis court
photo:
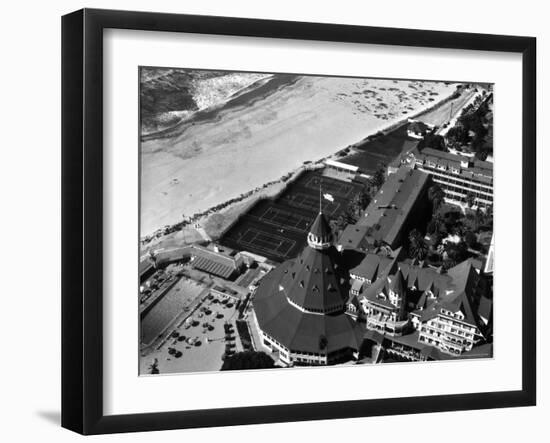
[310, 202]
[330, 186]
[277, 228]
[286, 219]
[270, 243]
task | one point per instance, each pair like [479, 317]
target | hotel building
[300, 306]
[399, 206]
[457, 175]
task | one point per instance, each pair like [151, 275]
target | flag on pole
[329, 197]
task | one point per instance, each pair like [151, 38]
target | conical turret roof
[315, 281]
[320, 226]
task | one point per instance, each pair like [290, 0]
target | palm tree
[436, 196]
[417, 246]
[470, 199]
[436, 225]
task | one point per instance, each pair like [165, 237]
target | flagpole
[320, 199]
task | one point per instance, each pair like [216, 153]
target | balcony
[386, 325]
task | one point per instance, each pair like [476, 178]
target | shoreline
[267, 86]
[265, 192]
[336, 152]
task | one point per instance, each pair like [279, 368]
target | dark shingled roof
[375, 336]
[375, 266]
[304, 300]
[422, 278]
[453, 291]
[475, 170]
[397, 283]
[455, 294]
[314, 280]
[298, 330]
[320, 226]
[372, 292]
[386, 214]
[465, 279]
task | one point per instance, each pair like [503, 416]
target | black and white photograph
[275, 221]
[290, 220]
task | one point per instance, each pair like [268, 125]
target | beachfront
[243, 147]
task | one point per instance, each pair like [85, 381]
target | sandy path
[246, 147]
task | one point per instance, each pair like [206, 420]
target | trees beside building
[436, 195]
[248, 360]
[432, 140]
[418, 248]
[474, 129]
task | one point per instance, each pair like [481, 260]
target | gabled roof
[357, 285]
[384, 217]
[423, 278]
[373, 291]
[425, 301]
[354, 237]
[430, 311]
[397, 283]
[375, 266]
[459, 295]
[371, 267]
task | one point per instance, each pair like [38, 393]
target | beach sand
[242, 147]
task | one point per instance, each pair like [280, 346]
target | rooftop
[478, 170]
[386, 214]
[372, 267]
[320, 226]
[314, 280]
[213, 262]
[298, 330]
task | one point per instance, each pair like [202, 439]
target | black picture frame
[82, 218]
